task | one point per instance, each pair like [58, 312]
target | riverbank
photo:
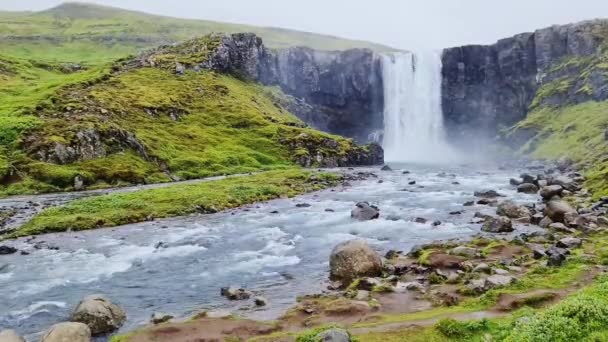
[121, 208]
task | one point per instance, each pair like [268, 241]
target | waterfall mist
[413, 118]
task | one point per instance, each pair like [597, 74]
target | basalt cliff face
[488, 88]
[339, 92]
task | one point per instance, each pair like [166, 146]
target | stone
[386, 168]
[469, 203]
[500, 271]
[67, 332]
[482, 268]
[420, 220]
[303, 205]
[333, 335]
[436, 223]
[78, 183]
[6, 250]
[538, 253]
[569, 242]
[514, 182]
[556, 210]
[412, 183]
[556, 260]
[498, 224]
[487, 194]
[477, 286]
[487, 201]
[566, 182]
[527, 178]
[550, 191]
[99, 314]
[10, 336]
[362, 295]
[527, 188]
[368, 283]
[464, 251]
[560, 227]
[159, 318]
[499, 280]
[354, 259]
[512, 210]
[260, 301]
[234, 293]
[363, 211]
[545, 222]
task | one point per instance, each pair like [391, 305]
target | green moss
[205, 197]
[457, 330]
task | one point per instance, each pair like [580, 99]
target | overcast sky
[400, 23]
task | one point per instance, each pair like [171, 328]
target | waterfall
[413, 118]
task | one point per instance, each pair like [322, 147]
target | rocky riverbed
[279, 250]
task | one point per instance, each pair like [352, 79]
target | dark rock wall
[340, 92]
[486, 88]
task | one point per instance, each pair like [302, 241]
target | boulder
[550, 191]
[556, 210]
[477, 286]
[569, 242]
[561, 228]
[10, 336]
[363, 211]
[260, 301]
[68, 332]
[6, 250]
[464, 251]
[333, 335]
[354, 259]
[386, 168]
[527, 188]
[498, 224]
[99, 314]
[487, 194]
[565, 182]
[527, 178]
[499, 280]
[514, 182]
[512, 210]
[234, 293]
[482, 268]
[545, 222]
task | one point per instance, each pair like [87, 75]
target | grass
[94, 34]
[205, 197]
[146, 125]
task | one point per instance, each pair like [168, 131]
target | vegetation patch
[204, 197]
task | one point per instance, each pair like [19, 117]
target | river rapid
[275, 249]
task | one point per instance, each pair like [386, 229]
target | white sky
[399, 23]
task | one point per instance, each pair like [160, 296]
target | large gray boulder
[513, 210]
[498, 224]
[353, 259]
[527, 188]
[10, 336]
[333, 335]
[556, 210]
[550, 191]
[68, 332]
[99, 314]
[363, 211]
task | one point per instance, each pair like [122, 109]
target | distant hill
[81, 32]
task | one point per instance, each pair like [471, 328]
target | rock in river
[68, 332]
[527, 188]
[353, 259]
[498, 224]
[6, 250]
[512, 210]
[99, 314]
[363, 211]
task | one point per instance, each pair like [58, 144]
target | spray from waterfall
[413, 118]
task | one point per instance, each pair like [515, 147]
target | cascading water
[413, 119]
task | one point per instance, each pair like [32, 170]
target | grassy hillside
[113, 125]
[88, 33]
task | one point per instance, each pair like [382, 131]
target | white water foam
[413, 118]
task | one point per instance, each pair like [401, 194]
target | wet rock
[386, 168]
[469, 204]
[550, 191]
[159, 318]
[260, 301]
[545, 222]
[233, 293]
[303, 205]
[487, 194]
[99, 314]
[10, 336]
[354, 259]
[412, 183]
[436, 223]
[527, 188]
[274, 212]
[333, 335]
[514, 182]
[6, 250]
[527, 178]
[556, 210]
[464, 251]
[498, 224]
[512, 210]
[420, 220]
[68, 332]
[393, 218]
[363, 211]
[537, 218]
[487, 201]
[456, 213]
[569, 242]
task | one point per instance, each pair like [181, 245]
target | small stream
[178, 265]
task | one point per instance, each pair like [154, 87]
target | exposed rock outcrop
[489, 87]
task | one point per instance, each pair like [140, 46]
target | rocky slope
[177, 112]
[488, 88]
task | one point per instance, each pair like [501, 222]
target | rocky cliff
[338, 92]
[487, 88]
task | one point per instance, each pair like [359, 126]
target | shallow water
[279, 256]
